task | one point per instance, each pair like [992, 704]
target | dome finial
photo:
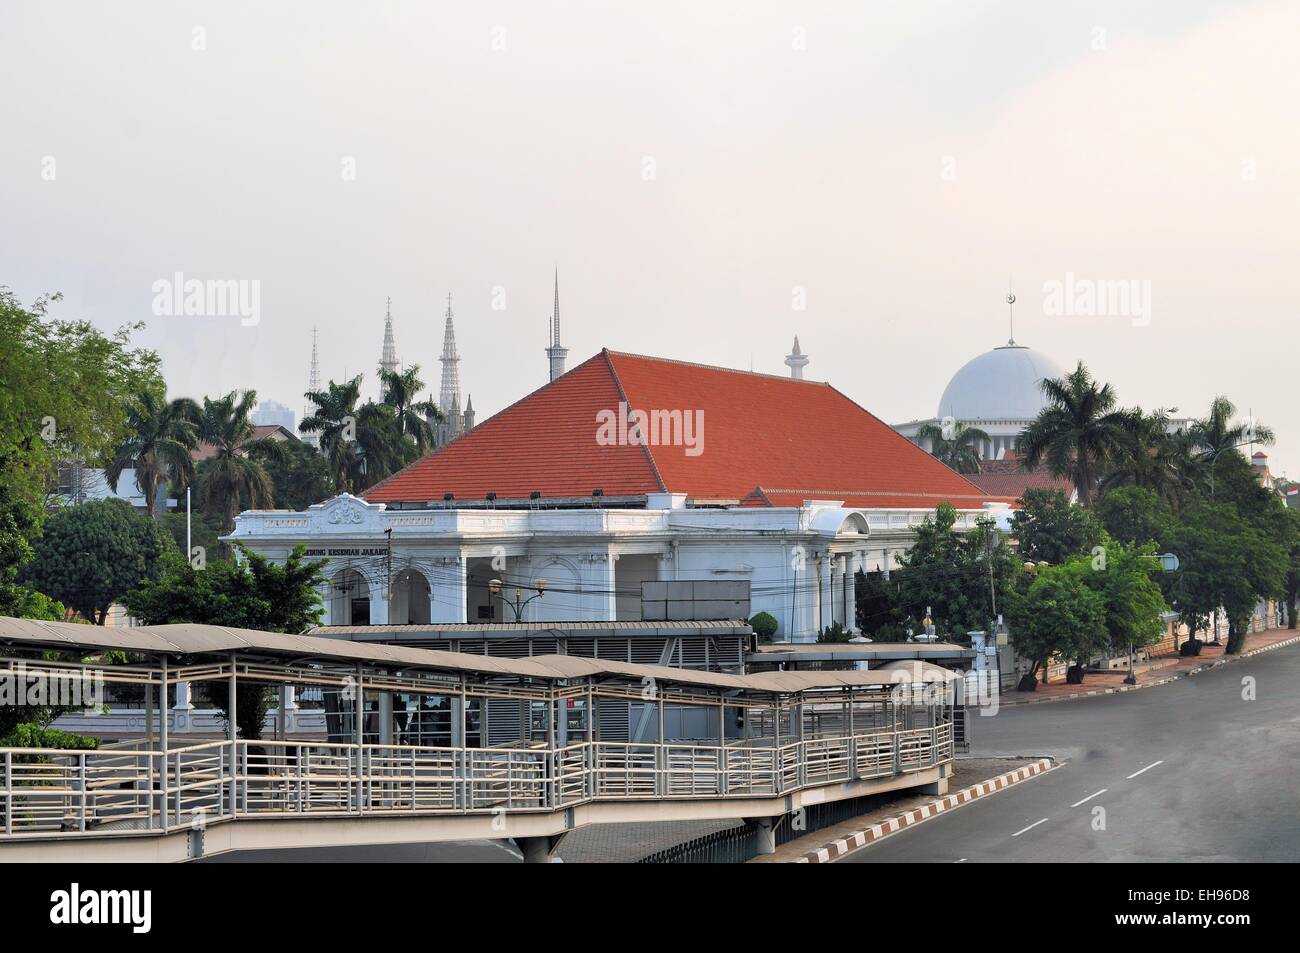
[1011, 315]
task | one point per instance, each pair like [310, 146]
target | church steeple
[388, 361]
[449, 393]
[556, 353]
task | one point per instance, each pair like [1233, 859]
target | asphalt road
[1184, 772]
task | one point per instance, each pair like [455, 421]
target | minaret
[449, 394]
[313, 385]
[388, 362]
[796, 360]
[556, 353]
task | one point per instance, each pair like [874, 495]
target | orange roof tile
[793, 440]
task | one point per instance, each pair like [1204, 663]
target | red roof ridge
[715, 367]
[833, 494]
[365, 494]
[645, 446]
[899, 436]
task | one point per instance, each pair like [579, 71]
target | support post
[164, 787]
[232, 733]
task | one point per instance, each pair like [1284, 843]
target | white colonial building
[721, 475]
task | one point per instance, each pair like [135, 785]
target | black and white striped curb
[1222, 660]
[838, 848]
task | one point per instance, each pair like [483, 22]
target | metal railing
[134, 790]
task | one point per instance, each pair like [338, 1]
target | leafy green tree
[1224, 561]
[66, 387]
[1292, 545]
[300, 476]
[949, 571]
[1134, 514]
[252, 594]
[1125, 576]
[1060, 614]
[160, 439]
[413, 416]
[958, 447]
[1079, 431]
[1049, 528]
[877, 603]
[93, 553]
[1151, 457]
[231, 478]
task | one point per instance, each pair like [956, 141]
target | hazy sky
[688, 167]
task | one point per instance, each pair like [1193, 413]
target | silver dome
[1000, 384]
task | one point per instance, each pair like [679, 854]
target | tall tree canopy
[1079, 431]
[93, 553]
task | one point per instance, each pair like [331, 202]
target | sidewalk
[1158, 671]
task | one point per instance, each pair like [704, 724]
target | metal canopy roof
[194, 639]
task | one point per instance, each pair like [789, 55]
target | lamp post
[539, 586]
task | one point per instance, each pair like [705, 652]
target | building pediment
[346, 515]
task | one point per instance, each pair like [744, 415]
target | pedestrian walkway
[1158, 671]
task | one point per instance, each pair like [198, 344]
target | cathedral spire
[557, 353]
[449, 394]
[388, 361]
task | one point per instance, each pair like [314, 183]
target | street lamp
[539, 587]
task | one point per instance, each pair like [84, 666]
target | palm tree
[335, 420]
[230, 477]
[414, 416]
[1078, 432]
[960, 450]
[362, 445]
[161, 434]
[1213, 434]
[1153, 458]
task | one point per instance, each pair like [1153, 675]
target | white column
[827, 601]
[378, 584]
[447, 591]
[851, 594]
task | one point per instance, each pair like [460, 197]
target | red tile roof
[1005, 478]
[260, 431]
[792, 440]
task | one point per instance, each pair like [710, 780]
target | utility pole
[388, 533]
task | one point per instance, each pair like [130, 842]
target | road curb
[1223, 660]
[869, 835]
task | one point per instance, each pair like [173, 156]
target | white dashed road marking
[1029, 828]
[1143, 771]
[1090, 797]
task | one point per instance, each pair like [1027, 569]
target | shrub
[764, 625]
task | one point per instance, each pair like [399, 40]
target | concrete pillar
[766, 828]
[378, 585]
[538, 850]
[448, 590]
